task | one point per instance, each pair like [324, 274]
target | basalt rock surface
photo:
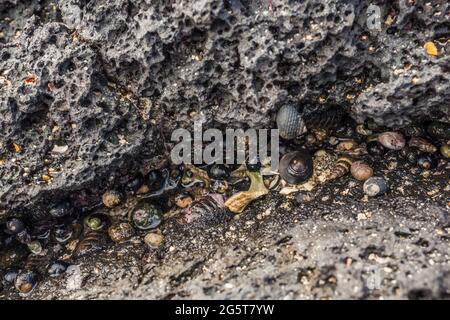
[87, 88]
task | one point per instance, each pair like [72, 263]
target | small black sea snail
[296, 167]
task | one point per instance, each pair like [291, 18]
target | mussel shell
[296, 167]
[23, 236]
[92, 241]
[155, 180]
[289, 122]
[422, 144]
[42, 229]
[66, 232]
[9, 277]
[146, 216]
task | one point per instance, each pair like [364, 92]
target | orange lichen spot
[31, 79]
[16, 148]
[431, 49]
[45, 178]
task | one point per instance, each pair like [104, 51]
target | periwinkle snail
[422, 144]
[15, 225]
[392, 140]
[112, 198]
[146, 216]
[26, 281]
[296, 167]
[96, 221]
[375, 186]
[119, 232]
[361, 171]
[427, 161]
[289, 122]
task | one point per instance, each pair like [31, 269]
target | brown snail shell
[347, 145]
[92, 241]
[119, 232]
[289, 122]
[296, 167]
[422, 144]
[341, 169]
[392, 140]
[361, 171]
[112, 198]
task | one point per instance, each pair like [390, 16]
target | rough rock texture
[95, 77]
[336, 247]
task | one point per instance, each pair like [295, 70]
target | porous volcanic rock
[102, 80]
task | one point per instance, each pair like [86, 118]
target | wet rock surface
[84, 83]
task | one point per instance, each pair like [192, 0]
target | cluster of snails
[207, 195]
[323, 128]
